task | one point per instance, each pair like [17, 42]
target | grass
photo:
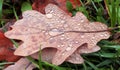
[106, 11]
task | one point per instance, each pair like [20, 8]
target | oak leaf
[71, 36]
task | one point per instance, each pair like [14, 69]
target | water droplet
[65, 25]
[51, 40]
[82, 20]
[77, 58]
[62, 35]
[63, 54]
[62, 45]
[43, 31]
[93, 37]
[46, 33]
[49, 15]
[51, 11]
[68, 48]
[58, 46]
[70, 45]
[78, 24]
[62, 21]
[82, 36]
[76, 42]
[101, 35]
[62, 38]
[54, 32]
[67, 38]
[106, 34]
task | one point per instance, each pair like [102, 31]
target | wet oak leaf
[6, 53]
[56, 29]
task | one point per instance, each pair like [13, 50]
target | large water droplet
[55, 32]
[49, 15]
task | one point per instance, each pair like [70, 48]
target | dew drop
[62, 45]
[62, 21]
[46, 33]
[63, 54]
[51, 40]
[76, 42]
[106, 34]
[58, 46]
[49, 15]
[101, 35]
[70, 45]
[82, 36]
[78, 24]
[77, 58]
[82, 20]
[67, 38]
[62, 35]
[51, 11]
[62, 38]
[54, 32]
[93, 37]
[65, 25]
[43, 31]
[68, 48]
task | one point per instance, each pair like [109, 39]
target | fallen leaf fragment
[6, 53]
[56, 29]
[22, 64]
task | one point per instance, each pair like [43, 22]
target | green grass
[106, 11]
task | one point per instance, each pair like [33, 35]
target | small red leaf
[39, 5]
[5, 52]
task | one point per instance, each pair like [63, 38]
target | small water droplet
[46, 33]
[68, 48]
[93, 37]
[78, 24]
[77, 58]
[62, 45]
[58, 46]
[70, 45]
[76, 42]
[49, 15]
[82, 36]
[51, 11]
[51, 40]
[65, 25]
[82, 20]
[43, 31]
[63, 54]
[62, 35]
[106, 34]
[62, 38]
[101, 35]
[62, 21]
[67, 38]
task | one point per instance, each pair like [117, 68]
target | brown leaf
[22, 64]
[56, 30]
